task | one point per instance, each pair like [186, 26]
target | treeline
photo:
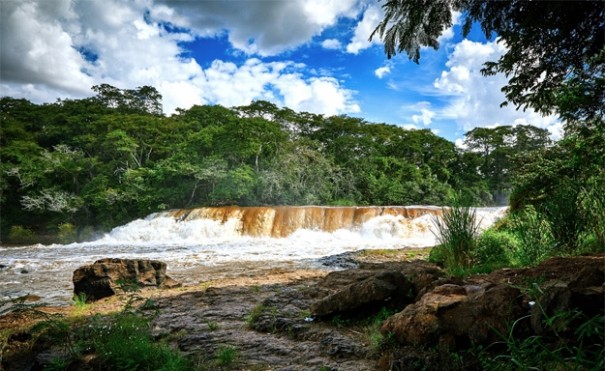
[102, 161]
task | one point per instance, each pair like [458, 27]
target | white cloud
[228, 84]
[331, 44]
[121, 46]
[459, 142]
[425, 117]
[371, 17]
[256, 26]
[380, 72]
[320, 95]
[419, 113]
[35, 48]
[473, 99]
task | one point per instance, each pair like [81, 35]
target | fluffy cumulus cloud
[279, 82]
[473, 99]
[62, 48]
[38, 50]
[420, 113]
[256, 26]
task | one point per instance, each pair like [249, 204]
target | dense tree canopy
[555, 63]
[105, 160]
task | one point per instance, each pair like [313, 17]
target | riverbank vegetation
[75, 167]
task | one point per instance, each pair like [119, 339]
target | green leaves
[555, 59]
[93, 164]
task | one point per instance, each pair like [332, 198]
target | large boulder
[555, 296]
[359, 289]
[451, 314]
[106, 277]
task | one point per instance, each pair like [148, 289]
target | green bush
[226, 355]
[67, 233]
[593, 206]
[495, 248]
[21, 235]
[565, 215]
[457, 232]
[533, 231]
[127, 345]
[437, 255]
[581, 349]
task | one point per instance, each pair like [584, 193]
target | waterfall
[282, 221]
[202, 243]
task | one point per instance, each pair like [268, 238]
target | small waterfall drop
[199, 243]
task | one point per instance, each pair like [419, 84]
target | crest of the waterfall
[359, 227]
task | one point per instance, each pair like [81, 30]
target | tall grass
[535, 236]
[593, 206]
[457, 231]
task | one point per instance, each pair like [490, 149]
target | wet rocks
[106, 277]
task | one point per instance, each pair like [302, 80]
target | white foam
[187, 244]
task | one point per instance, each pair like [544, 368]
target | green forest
[99, 162]
[82, 165]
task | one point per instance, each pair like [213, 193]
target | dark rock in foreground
[106, 277]
[378, 287]
[454, 315]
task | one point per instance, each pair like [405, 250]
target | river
[206, 243]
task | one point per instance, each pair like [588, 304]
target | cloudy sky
[308, 55]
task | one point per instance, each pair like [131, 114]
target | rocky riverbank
[399, 313]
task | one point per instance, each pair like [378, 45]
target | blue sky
[308, 55]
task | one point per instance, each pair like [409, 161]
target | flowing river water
[206, 243]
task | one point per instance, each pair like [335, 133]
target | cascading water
[202, 243]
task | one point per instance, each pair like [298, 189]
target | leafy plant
[457, 231]
[80, 302]
[535, 237]
[126, 344]
[592, 205]
[583, 349]
[226, 355]
[494, 248]
[212, 325]
[259, 311]
[67, 233]
[563, 212]
[20, 234]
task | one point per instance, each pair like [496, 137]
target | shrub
[565, 215]
[127, 345]
[535, 237]
[19, 234]
[67, 233]
[226, 355]
[457, 231]
[593, 206]
[495, 248]
[437, 255]
[80, 302]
